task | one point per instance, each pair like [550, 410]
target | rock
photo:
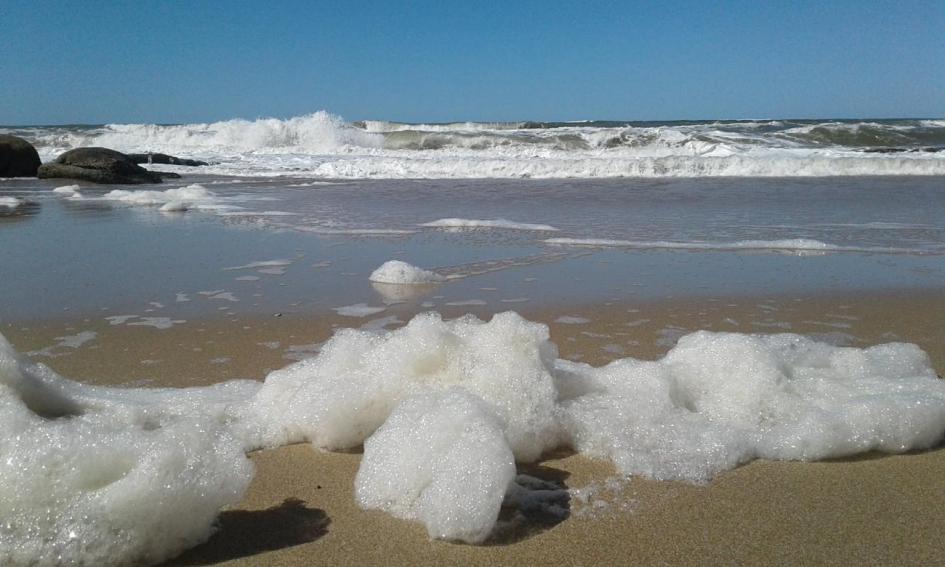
[18, 158]
[99, 165]
[165, 159]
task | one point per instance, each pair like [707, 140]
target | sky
[179, 62]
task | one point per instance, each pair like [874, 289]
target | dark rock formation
[99, 165]
[165, 159]
[18, 158]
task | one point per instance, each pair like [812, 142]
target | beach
[656, 369]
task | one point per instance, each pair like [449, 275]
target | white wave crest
[315, 133]
[324, 145]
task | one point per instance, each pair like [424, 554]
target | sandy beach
[300, 508]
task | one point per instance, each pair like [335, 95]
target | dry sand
[300, 509]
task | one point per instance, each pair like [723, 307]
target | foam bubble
[401, 273]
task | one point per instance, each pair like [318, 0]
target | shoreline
[255, 344]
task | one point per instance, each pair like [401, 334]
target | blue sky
[95, 62]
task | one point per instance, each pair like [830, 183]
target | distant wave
[324, 145]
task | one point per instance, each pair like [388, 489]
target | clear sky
[95, 62]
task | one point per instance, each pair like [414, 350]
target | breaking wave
[324, 145]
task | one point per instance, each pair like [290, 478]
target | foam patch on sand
[397, 272]
[358, 310]
[472, 224]
[442, 409]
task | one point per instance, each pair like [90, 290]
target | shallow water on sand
[274, 246]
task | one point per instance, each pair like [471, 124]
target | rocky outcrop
[100, 165]
[165, 159]
[18, 158]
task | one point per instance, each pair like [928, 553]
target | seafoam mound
[443, 409]
[397, 272]
[442, 459]
[108, 477]
[339, 398]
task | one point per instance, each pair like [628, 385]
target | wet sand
[300, 508]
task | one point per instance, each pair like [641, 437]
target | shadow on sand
[244, 533]
[538, 501]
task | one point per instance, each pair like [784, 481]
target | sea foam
[797, 245]
[398, 272]
[171, 200]
[100, 476]
[443, 409]
[461, 224]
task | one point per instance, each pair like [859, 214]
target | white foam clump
[67, 189]
[181, 199]
[104, 476]
[720, 399]
[458, 224]
[440, 458]
[339, 398]
[715, 401]
[401, 273]
[10, 202]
